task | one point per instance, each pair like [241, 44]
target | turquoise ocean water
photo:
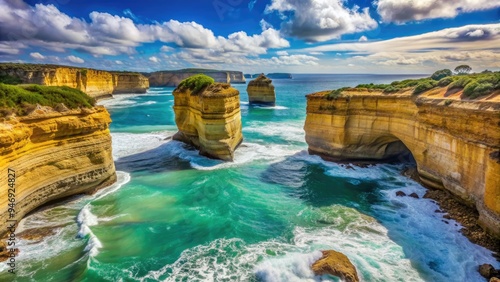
[178, 216]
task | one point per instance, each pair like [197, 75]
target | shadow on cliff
[166, 157]
[324, 184]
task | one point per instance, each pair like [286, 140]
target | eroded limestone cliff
[54, 155]
[95, 83]
[456, 143]
[173, 78]
[209, 120]
[261, 91]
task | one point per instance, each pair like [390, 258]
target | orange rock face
[95, 83]
[54, 155]
[456, 146]
[210, 120]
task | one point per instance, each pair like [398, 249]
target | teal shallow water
[177, 216]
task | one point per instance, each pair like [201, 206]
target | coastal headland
[449, 130]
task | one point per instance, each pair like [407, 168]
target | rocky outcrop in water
[52, 155]
[96, 83]
[455, 143]
[261, 91]
[173, 78]
[336, 264]
[209, 119]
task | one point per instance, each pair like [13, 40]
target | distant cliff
[173, 78]
[54, 155]
[209, 118]
[455, 141]
[95, 83]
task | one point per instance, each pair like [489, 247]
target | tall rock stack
[261, 91]
[209, 119]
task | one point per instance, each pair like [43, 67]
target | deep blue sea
[178, 216]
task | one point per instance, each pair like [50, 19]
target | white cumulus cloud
[321, 20]
[37, 56]
[75, 59]
[154, 59]
[401, 11]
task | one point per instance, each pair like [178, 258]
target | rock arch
[454, 146]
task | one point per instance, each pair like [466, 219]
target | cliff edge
[51, 152]
[455, 140]
[261, 91]
[54, 155]
[208, 116]
[96, 83]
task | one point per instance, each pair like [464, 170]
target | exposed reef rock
[173, 78]
[53, 155]
[455, 142]
[261, 91]
[209, 119]
[336, 264]
[95, 83]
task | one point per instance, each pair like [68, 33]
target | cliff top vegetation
[473, 85]
[22, 99]
[39, 67]
[196, 83]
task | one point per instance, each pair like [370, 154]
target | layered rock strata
[455, 143]
[173, 78]
[209, 120]
[95, 83]
[52, 155]
[261, 91]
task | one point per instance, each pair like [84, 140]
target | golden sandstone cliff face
[210, 120]
[456, 146]
[54, 155]
[173, 78]
[95, 83]
[261, 91]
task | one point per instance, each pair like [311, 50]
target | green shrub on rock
[460, 83]
[476, 89]
[440, 74]
[196, 83]
[445, 81]
[424, 86]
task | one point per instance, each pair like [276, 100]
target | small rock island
[208, 116]
[261, 91]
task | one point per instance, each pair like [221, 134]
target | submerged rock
[414, 195]
[261, 91]
[400, 194]
[488, 271]
[336, 264]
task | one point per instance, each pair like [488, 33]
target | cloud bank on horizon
[315, 36]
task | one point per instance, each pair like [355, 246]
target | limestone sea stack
[208, 116]
[454, 141]
[48, 155]
[261, 91]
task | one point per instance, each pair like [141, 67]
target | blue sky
[299, 36]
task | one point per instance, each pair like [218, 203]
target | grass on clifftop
[196, 83]
[473, 85]
[22, 99]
